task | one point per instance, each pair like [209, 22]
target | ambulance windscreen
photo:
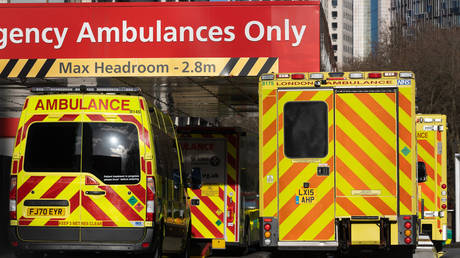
[305, 129]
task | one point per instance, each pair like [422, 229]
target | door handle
[94, 192]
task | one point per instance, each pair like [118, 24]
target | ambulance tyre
[188, 244]
[244, 249]
[438, 245]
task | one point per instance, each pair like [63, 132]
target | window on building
[334, 35]
[334, 47]
[334, 14]
[334, 25]
[334, 3]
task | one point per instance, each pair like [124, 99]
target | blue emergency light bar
[85, 89]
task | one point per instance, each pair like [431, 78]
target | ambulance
[96, 169]
[337, 154]
[432, 151]
[224, 214]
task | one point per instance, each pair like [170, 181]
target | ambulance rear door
[114, 178]
[306, 167]
[48, 178]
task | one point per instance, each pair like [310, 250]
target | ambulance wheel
[438, 245]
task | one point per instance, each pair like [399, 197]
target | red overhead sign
[289, 31]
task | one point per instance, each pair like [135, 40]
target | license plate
[46, 212]
[218, 244]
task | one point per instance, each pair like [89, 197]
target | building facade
[442, 13]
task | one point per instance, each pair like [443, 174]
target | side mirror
[421, 172]
[196, 178]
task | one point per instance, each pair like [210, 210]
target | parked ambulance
[94, 170]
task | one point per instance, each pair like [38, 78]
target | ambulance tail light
[150, 199]
[374, 75]
[13, 187]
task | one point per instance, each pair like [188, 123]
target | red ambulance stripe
[231, 161]
[281, 94]
[35, 118]
[405, 198]
[14, 170]
[269, 164]
[269, 195]
[288, 209]
[290, 174]
[366, 161]
[138, 191]
[204, 220]
[196, 233]
[94, 117]
[58, 187]
[427, 146]
[405, 167]
[378, 110]
[26, 103]
[212, 206]
[307, 220]
[329, 102]
[269, 132]
[18, 136]
[405, 135]
[141, 102]
[428, 192]
[143, 164]
[306, 95]
[268, 103]
[120, 204]
[25, 222]
[231, 182]
[52, 223]
[68, 117]
[348, 205]
[74, 201]
[93, 209]
[350, 176]
[380, 205]
[404, 104]
[327, 232]
[145, 137]
[25, 188]
[367, 130]
[280, 122]
[21, 162]
[108, 224]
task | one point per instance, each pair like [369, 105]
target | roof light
[266, 77]
[298, 76]
[405, 75]
[282, 75]
[428, 120]
[335, 75]
[443, 186]
[375, 75]
[439, 120]
[356, 75]
[316, 76]
[390, 74]
[83, 88]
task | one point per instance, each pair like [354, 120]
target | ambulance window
[305, 129]
[53, 147]
[111, 152]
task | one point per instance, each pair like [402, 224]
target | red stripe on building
[68, 117]
[34, 118]
[120, 204]
[204, 220]
[95, 117]
[93, 209]
[58, 187]
[8, 127]
[28, 186]
[138, 191]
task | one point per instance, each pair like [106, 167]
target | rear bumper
[98, 243]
